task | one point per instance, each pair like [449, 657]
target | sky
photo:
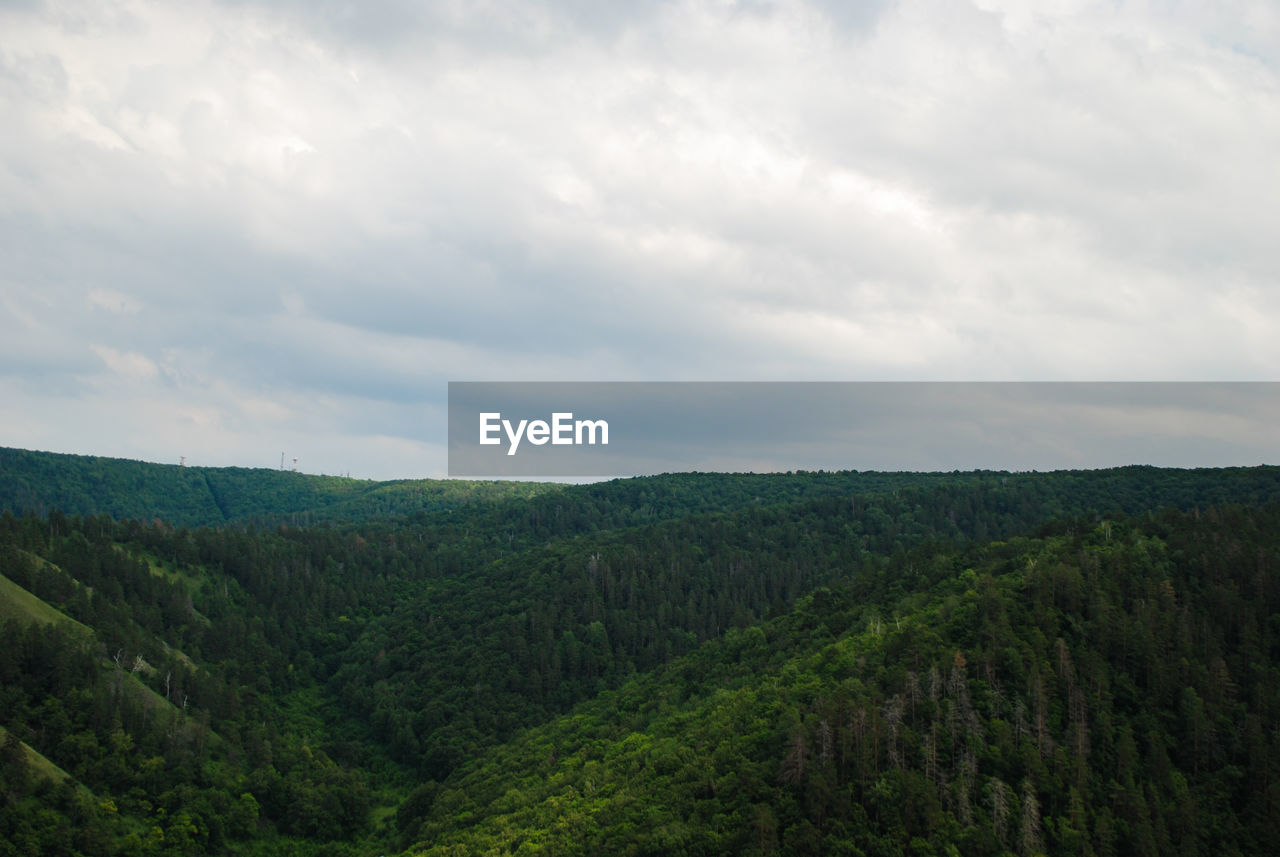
[231, 230]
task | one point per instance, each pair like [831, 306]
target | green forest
[257, 662]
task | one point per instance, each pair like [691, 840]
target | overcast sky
[233, 229]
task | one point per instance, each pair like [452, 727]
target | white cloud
[272, 203]
[130, 364]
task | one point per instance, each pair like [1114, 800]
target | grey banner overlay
[663, 427]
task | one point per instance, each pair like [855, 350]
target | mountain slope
[1110, 690]
[345, 687]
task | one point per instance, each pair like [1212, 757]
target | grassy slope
[19, 604]
[38, 764]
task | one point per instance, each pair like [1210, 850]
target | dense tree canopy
[1077, 662]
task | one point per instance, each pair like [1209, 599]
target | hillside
[40, 482]
[1099, 691]
[654, 665]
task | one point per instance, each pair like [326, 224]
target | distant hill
[531, 512]
[40, 482]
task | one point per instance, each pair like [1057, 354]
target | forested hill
[1108, 689]
[40, 482]
[1080, 662]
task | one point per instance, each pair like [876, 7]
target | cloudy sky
[233, 229]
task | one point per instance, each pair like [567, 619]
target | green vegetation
[20, 605]
[1094, 692]
[836, 663]
[39, 482]
[35, 765]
